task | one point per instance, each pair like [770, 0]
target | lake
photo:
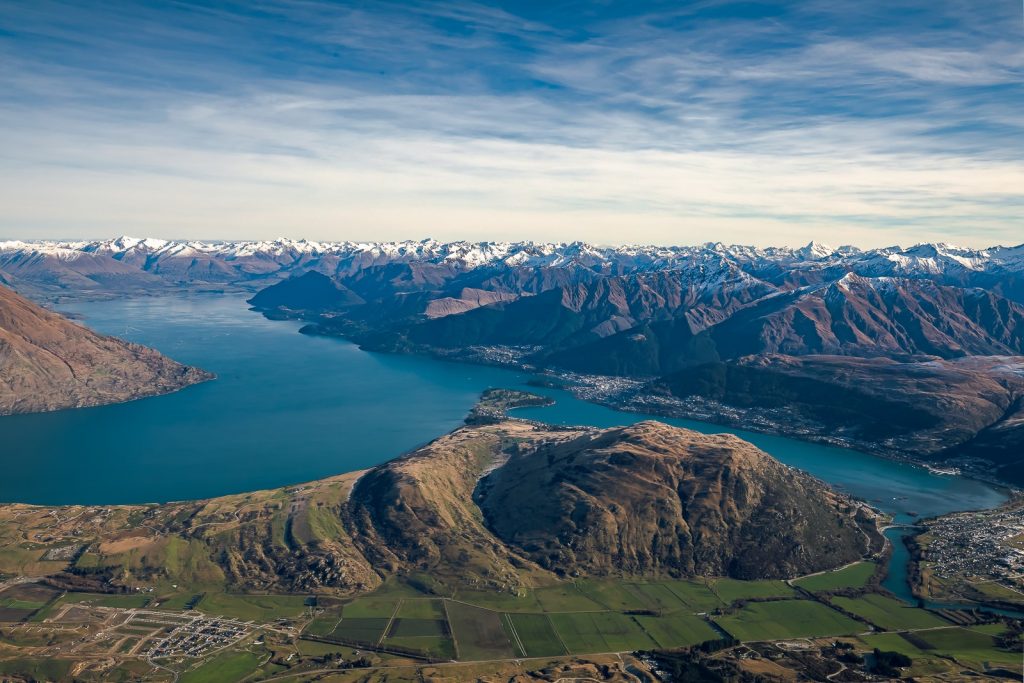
[288, 408]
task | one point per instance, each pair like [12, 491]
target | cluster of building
[986, 544]
[194, 637]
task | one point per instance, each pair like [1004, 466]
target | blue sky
[872, 122]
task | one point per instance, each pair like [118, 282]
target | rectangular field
[854, 576]
[564, 598]
[411, 628]
[478, 633]
[421, 609]
[784, 619]
[252, 607]
[536, 634]
[593, 632]
[679, 630]
[436, 647]
[889, 613]
[360, 629]
[695, 595]
[124, 600]
[370, 607]
[970, 646]
[731, 590]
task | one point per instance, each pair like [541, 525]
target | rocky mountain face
[856, 316]
[898, 407]
[653, 499]
[311, 291]
[48, 363]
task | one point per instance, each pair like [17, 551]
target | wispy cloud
[863, 123]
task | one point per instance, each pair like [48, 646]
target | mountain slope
[651, 499]
[48, 363]
[916, 408]
[854, 316]
[310, 291]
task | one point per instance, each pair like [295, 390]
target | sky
[866, 122]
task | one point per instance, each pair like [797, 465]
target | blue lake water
[288, 408]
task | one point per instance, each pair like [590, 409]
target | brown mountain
[653, 499]
[918, 408]
[48, 363]
[582, 311]
[877, 316]
[854, 316]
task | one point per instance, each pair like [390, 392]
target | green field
[971, 646]
[536, 634]
[409, 628]
[370, 607]
[123, 600]
[892, 642]
[503, 602]
[695, 595]
[421, 609]
[787, 619]
[437, 647]
[854, 576]
[679, 630]
[360, 629]
[229, 666]
[590, 632]
[479, 633]
[623, 596]
[731, 590]
[564, 598]
[889, 613]
[262, 608]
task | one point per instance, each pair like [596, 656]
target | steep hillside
[854, 316]
[916, 408]
[651, 499]
[310, 291]
[573, 314]
[48, 363]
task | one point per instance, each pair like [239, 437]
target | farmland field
[438, 647]
[123, 600]
[679, 630]
[564, 598]
[730, 590]
[421, 609]
[229, 666]
[361, 629]
[854, 576]
[251, 607]
[697, 596]
[600, 632]
[970, 646]
[536, 634]
[370, 607]
[787, 619]
[889, 613]
[478, 633]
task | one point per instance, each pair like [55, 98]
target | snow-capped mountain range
[246, 260]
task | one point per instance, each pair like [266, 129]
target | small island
[494, 405]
